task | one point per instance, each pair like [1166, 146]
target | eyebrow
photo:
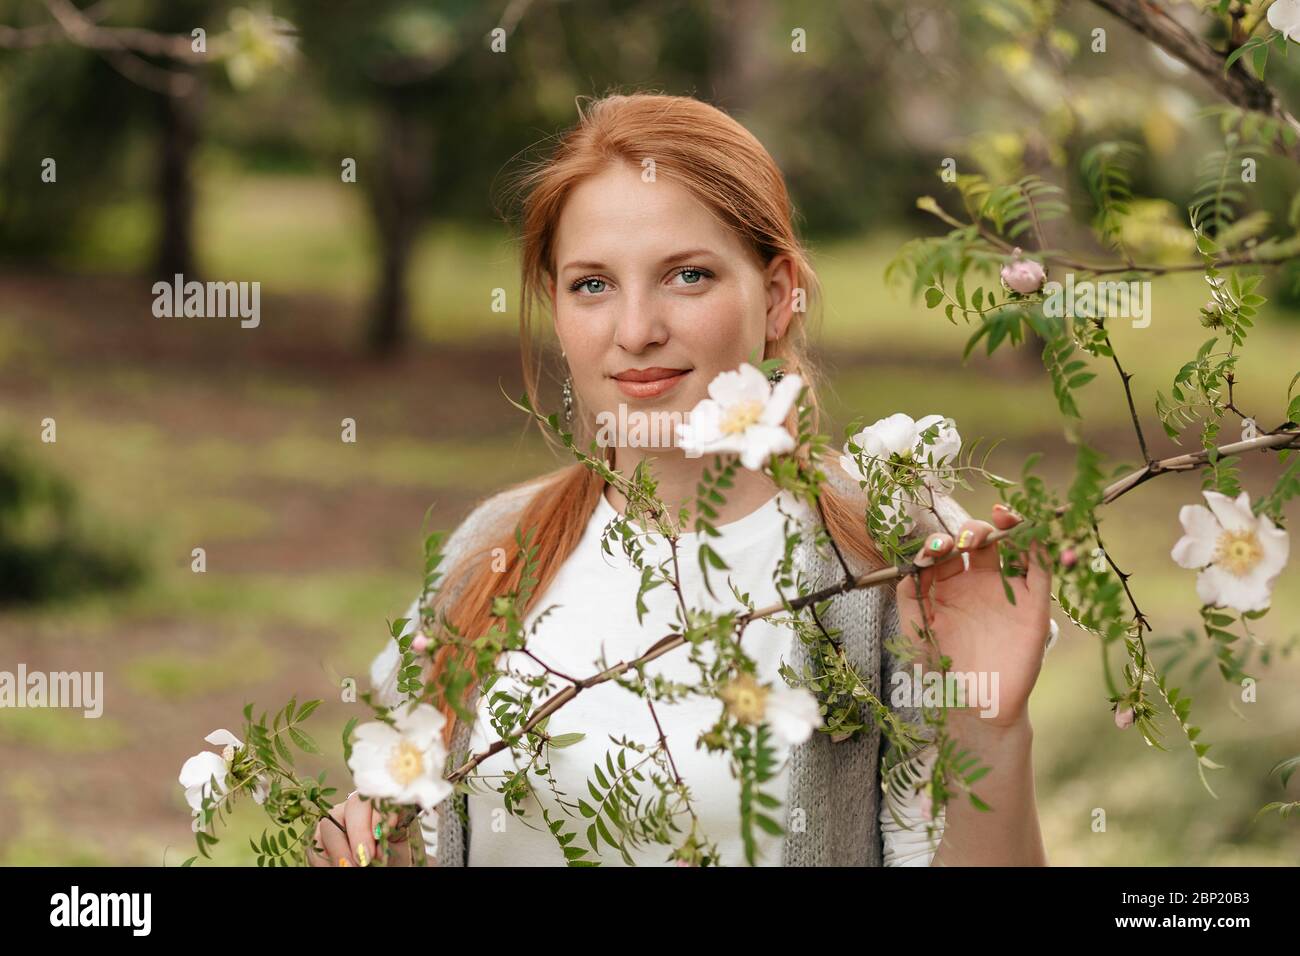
[665, 261]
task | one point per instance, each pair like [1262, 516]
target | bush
[46, 553]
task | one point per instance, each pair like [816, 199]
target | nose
[640, 323]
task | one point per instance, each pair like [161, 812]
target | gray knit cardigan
[836, 783]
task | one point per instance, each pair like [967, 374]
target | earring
[566, 393]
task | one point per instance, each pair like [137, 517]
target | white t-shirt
[591, 607]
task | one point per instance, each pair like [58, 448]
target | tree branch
[670, 642]
[1235, 85]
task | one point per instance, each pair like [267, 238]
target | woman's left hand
[971, 620]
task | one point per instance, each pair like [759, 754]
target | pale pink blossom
[1025, 276]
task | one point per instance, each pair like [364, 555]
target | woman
[659, 235]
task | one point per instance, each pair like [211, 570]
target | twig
[1123, 579]
[1231, 379]
[546, 667]
[1052, 258]
[663, 742]
[844, 565]
[1126, 377]
[84, 32]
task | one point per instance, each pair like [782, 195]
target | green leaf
[307, 710]
[303, 740]
[347, 737]
[604, 832]
[283, 750]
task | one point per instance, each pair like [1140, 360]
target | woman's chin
[642, 426]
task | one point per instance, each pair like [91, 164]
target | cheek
[726, 330]
[586, 341]
[580, 333]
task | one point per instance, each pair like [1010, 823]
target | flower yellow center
[745, 699]
[1238, 552]
[740, 416]
[406, 764]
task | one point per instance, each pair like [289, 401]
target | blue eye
[585, 284]
[692, 275]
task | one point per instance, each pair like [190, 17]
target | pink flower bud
[1069, 558]
[681, 862]
[1023, 275]
[420, 643]
[1124, 718]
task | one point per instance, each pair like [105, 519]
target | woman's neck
[678, 478]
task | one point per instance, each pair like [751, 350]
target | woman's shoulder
[493, 516]
[487, 519]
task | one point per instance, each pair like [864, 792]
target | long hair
[728, 170]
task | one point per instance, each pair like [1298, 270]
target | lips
[649, 382]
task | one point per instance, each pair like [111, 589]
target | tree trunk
[397, 191]
[179, 136]
[739, 69]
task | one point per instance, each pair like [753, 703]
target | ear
[780, 279]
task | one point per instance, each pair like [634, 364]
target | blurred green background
[174, 434]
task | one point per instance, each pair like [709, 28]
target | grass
[59, 731]
[171, 674]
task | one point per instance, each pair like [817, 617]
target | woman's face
[653, 297]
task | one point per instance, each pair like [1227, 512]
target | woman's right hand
[358, 818]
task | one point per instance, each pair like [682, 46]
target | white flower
[899, 436]
[743, 414]
[403, 763]
[197, 774]
[792, 713]
[1239, 555]
[1284, 16]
